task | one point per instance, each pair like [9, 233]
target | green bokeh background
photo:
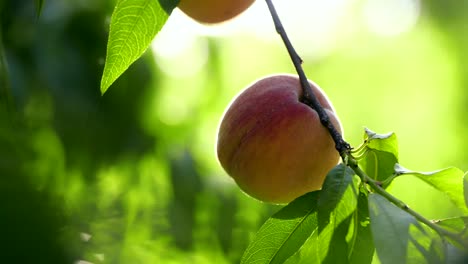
[132, 176]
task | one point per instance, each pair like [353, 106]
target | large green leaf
[337, 202]
[338, 246]
[425, 246]
[448, 181]
[308, 253]
[378, 155]
[338, 182]
[285, 232]
[399, 237]
[133, 26]
[362, 245]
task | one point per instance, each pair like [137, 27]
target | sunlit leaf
[399, 237]
[362, 244]
[308, 253]
[133, 26]
[338, 245]
[337, 202]
[448, 181]
[378, 155]
[425, 246]
[455, 224]
[285, 232]
[383, 142]
[337, 183]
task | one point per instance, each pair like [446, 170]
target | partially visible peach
[272, 144]
[213, 11]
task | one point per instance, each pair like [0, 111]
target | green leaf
[448, 181]
[362, 245]
[378, 155]
[338, 246]
[338, 182]
[308, 253]
[133, 26]
[455, 224]
[336, 205]
[285, 232]
[399, 237]
[383, 142]
[425, 246]
[39, 5]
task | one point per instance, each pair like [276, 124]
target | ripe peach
[272, 144]
[213, 11]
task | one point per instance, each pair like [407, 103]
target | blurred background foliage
[132, 176]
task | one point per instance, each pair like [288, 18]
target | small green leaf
[285, 232]
[39, 5]
[378, 164]
[133, 26]
[455, 224]
[399, 237]
[448, 181]
[378, 155]
[383, 142]
[362, 244]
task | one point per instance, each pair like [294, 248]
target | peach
[213, 11]
[272, 144]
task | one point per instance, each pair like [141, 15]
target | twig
[308, 96]
[378, 189]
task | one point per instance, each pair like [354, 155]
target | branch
[308, 96]
[378, 189]
[340, 144]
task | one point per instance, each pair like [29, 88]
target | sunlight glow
[314, 26]
[391, 17]
[178, 49]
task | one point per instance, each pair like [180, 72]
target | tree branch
[340, 144]
[308, 96]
